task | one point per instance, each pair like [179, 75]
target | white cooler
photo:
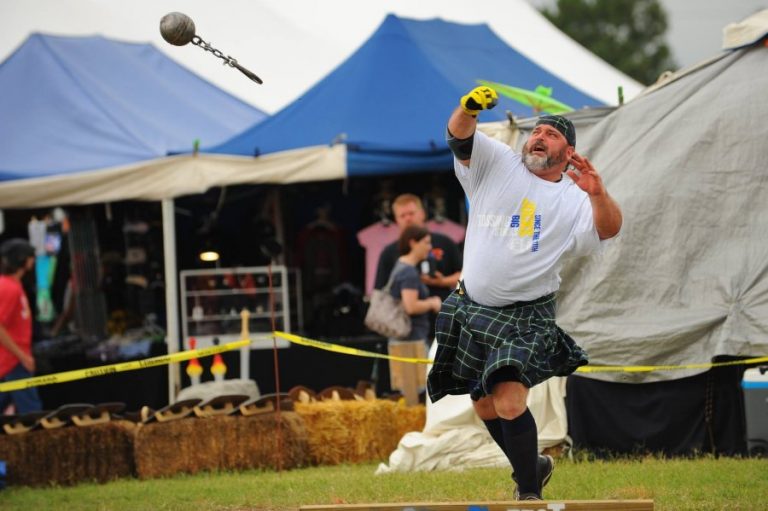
[755, 385]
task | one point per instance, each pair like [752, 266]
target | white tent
[174, 176]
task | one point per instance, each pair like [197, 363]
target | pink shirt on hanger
[449, 228]
[374, 238]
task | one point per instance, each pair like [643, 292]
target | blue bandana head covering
[561, 124]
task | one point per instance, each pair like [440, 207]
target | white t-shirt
[520, 228]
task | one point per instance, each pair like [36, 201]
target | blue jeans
[25, 400]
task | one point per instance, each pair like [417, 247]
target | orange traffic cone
[194, 369]
[218, 368]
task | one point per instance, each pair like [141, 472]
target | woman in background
[414, 245]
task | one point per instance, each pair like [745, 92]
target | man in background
[441, 271]
[17, 257]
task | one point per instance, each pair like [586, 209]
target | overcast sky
[695, 26]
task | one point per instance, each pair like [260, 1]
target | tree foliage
[628, 34]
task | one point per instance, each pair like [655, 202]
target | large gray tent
[687, 280]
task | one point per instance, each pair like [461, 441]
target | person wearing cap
[17, 257]
[496, 332]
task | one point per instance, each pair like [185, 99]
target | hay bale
[69, 455]
[219, 443]
[409, 418]
[349, 431]
[254, 442]
[167, 448]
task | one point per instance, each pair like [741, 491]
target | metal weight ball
[177, 28]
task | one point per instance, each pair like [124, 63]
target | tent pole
[171, 295]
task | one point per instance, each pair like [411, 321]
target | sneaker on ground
[545, 465]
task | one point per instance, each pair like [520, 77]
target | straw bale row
[66, 456]
[325, 433]
[220, 443]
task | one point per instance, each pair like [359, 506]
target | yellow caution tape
[648, 369]
[584, 369]
[80, 374]
[346, 349]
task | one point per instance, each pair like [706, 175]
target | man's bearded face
[538, 157]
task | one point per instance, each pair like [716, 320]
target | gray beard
[541, 164]
[536, 164]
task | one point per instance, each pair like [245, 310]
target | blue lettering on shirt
[536, 233]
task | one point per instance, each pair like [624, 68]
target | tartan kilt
[474, 340]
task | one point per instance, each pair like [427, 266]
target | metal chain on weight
[198, 41]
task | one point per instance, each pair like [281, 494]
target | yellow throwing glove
[479, 98]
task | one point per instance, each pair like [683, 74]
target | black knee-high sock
[494, 428]
[521, 442]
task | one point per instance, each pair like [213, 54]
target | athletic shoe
[545, 465]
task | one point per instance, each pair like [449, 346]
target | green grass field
[700, 484]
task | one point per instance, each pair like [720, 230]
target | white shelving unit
[211, 301]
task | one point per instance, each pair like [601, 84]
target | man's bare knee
[484, 408]
[510, 399]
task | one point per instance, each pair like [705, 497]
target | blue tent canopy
[390, 101]
[71, 104]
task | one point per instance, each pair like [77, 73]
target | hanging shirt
[449, 228]
[373, 239]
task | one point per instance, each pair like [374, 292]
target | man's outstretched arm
[463, 121]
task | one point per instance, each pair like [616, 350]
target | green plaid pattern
[474, 340]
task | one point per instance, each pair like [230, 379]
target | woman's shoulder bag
[386, 315]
